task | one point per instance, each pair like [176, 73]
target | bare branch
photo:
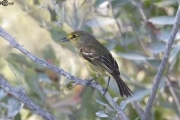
[162, 67]
[138, 108]
[60, 71]
[173, 93]
[19, 94]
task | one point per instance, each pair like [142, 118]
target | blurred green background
[135, 31]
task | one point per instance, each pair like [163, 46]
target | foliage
[134, 31]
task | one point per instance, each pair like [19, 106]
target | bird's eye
[74, 35]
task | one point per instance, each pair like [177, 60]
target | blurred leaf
[18, 117]
[117, 3]
[88, 107]
[165, 3]
[123, 105]
[115, 99]
[100, 102]
[101, 3]
[101, 114]
[159, 113]
[14, 107]
[163, 20]
[157, 47]
[2, 94]
[58, 10]
[100, 22]
[154, 62]
[133, 56]
[174, 52]
[49, 53]
[32, 78]
[137, 96]
[104, 104]
[173, 57]
[165, 34]
[57, 34]
[18, 60]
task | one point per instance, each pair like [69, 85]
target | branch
[168, 81]
[162, 66]
[138, 108]
[19, 94]
[60, 71]
[140, 8]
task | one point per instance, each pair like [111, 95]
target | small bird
[98, 58]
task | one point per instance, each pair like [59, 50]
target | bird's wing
[106, 61]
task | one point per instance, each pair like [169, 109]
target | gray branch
[138, 108]
[162, 66]
[60, 71]
[19, 94]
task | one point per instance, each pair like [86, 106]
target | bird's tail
[123, 88]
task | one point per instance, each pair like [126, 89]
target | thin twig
[60, 71]
[138, 108]
[173, 94]
[162, 66]
[19, 94]
[139, 6]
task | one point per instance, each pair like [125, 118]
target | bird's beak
[64, 39]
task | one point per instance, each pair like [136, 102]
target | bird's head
[77, 38]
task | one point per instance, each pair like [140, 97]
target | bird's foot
[89, 83]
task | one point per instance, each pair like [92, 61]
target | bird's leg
[106, 87]
[89, 83]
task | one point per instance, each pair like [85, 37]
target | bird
[98, 58]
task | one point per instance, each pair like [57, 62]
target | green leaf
[162, 20]
[154, 62]
[173, 57]
[115, 99]
[17, 60]
[133, 56]
[174, 52]
[100, 3]
[2, 94]
[101, 114]
[138, 96]
[165, 3]
[18, 117]
[104, 104]
[49, 53]
[123, 105]
[57, 34]
[157, 47]
[165, 34]
[117, 3]
[14, 107]
[32, 78]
